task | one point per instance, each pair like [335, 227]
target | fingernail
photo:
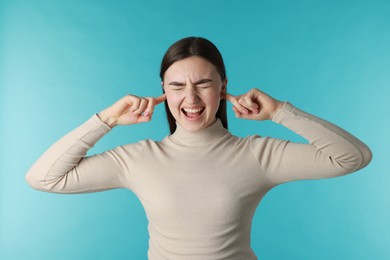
[145, 114]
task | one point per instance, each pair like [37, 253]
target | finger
[160, 99]
[236, 112]
[129, 99]
[234, 100]
[134, 103]
[244, 109]
[152, 102]
[141, 107]
[239, 114]
[150, 107]
[250, 104]
[228, 96]
[143, 119]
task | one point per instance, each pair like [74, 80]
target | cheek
[212, 99]
[173, 100]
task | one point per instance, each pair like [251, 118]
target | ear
[224, 87]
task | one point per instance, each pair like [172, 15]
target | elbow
[42, 181]
[35, 181]
[358, 160]
[366, 155]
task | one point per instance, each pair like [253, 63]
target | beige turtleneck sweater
[200, 190]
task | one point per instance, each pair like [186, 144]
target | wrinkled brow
[176, 83]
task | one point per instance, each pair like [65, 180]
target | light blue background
[62, 61]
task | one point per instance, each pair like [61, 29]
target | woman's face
[193, 88]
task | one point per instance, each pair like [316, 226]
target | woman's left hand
[254, 105]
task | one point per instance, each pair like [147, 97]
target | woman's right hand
[130, 110]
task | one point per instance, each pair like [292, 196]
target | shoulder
[142, 144]
[138, 148]
[257, 144]
[247, 141]
[249, 138]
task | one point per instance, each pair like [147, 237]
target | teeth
[192, 110]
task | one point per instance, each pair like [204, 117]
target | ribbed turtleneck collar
[202, 137]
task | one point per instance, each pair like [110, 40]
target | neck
[198, 138]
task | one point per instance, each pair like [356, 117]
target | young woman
[200, 185]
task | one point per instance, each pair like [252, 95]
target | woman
[200, 185]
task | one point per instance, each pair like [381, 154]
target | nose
[192, 95]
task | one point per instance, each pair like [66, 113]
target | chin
[196, 126]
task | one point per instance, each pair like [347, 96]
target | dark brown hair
[185, 48]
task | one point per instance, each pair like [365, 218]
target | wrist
[278, 106]
[111, 122]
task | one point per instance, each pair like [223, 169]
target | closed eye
[204, 83]
[177, 88]
[176, 85]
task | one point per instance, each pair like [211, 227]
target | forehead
[193, 68]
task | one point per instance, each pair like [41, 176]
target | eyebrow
[176, 83]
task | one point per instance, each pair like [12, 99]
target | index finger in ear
[228, 97]
[232, 99]
[160, 99]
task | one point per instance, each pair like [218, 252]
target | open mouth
[193, 113]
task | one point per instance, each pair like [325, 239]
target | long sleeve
[63, 168]
[331, 150]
